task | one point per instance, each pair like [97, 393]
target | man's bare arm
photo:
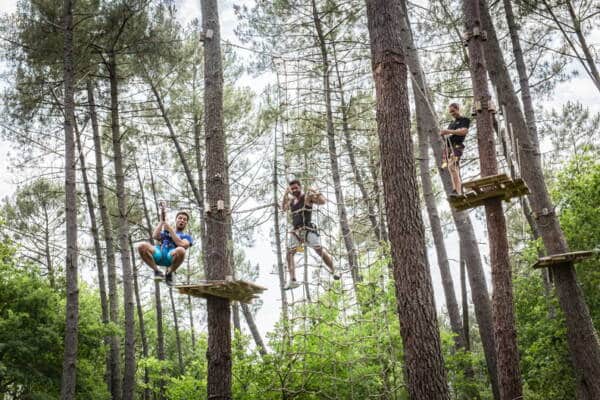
[176, 239]
[157, 230]
[315, 197]
[285, 202]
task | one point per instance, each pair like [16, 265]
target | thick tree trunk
[333, 155]
[509, 376]
[140, 314]
[462, 221]
[123, 234]
[219, 312]
[581, 335]
[69, 374]
[424, 365]
[107, 230]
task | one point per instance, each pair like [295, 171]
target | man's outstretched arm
[285, 202]
[315, 197]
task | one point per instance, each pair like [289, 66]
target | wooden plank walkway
[241, 291]
[479, 190]
[564, 258]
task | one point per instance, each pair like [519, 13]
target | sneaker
[292, 284]
[159, 276]
[169, 278]
[336, 277]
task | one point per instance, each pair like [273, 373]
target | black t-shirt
[460, 122]
[301, 213]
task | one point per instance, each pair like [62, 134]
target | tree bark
[107, 230]
[333, 155]
[123, 233]
[465, 301]
[219, 312]
[177, 335]
[140, 314]
[462, 221]
[277, 230]
[97, 247]
[254, 329]
[509, 376]
[424, 365]
[69, 370]
[582, 338]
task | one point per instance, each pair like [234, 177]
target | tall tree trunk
[177, 335]
[219, 312]
[123, 233]
[465, 300]
[333, 155]
[345, 109]
[49, 263]
[581, 335]
[374, 170]
[107, 230]
[140, 314]
[191, 308]
[509, 376]
[254, 330]
[97, 246]
[69, 371]
[462, 221]
[277, 229]
[160, 338]
[424, 364]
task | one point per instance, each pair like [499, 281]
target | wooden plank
[486, 180]
[564, 258]
[242, 291]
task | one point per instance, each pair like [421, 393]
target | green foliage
[32, 319]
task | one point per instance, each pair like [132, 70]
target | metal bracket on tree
[476, 32]
[206, 35]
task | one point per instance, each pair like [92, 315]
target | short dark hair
[454, 105]
[183, 213]
[294, 182]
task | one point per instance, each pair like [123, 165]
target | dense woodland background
[298, 101]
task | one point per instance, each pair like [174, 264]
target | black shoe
[159, 276]
[455, 194]
[169, 278]
[336, 277]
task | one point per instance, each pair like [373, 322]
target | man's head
[454, 110]
[295, 187]
[181, 220]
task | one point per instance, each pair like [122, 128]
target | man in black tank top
[454, 137]
[305, 231]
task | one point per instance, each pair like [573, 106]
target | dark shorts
[456, 151]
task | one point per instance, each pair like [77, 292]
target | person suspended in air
[453, 139]
[170, 252]
[304, 232]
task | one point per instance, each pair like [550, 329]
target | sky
[579, 88]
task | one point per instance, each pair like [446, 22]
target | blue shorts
[162, 256]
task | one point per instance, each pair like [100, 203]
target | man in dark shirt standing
[305, 232]
[455, 136]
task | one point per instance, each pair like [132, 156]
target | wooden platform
[557, 259]
[477, 191]
[241, 291]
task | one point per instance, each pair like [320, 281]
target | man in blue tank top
[305, 232]
[170, 252]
